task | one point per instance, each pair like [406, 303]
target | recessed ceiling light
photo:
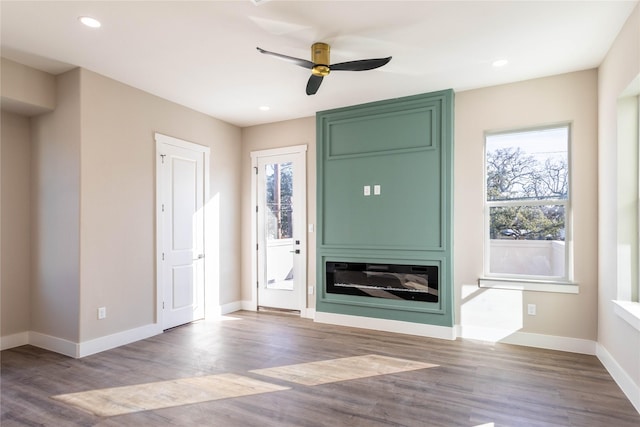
[500, 63]
[90, 22]
[264, 108]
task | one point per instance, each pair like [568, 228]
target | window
[628, 193]
[627, 303]
[527, 204]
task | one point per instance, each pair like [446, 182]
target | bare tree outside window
[279, 201]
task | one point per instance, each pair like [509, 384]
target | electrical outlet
[531, 309]
[376, 190]
[310, 290]
[102, 313]
[367, 190]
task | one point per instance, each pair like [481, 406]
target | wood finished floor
[475, 384]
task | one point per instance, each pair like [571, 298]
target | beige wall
[16, 248]
[564, 98]
[118, 267]
[25, 90]
[620, 67]
[276, 135]
[55, 192]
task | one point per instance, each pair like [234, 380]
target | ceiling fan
[319, 65]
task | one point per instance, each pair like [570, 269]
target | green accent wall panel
[402, 216]
[371, 134]
[404, 147]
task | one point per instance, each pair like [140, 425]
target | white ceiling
[202, 54]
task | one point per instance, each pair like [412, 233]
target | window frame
[636, 298]
[525, 281]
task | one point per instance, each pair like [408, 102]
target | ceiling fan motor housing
[320, 59]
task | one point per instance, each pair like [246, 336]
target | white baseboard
[308, 313]
[248, 305]
[620, 376]
[230, 307]
[14, 340]
[76, 350]
[397, 326]
[58, 345]
[108, 342]
[550, 342]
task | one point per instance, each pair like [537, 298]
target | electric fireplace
[390, 281]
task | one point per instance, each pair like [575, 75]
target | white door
[281, 227]
[181, 191]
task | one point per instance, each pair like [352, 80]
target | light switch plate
[367, 190]
[376, 190]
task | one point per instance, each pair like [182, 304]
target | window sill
[629, 311]
[529, 285]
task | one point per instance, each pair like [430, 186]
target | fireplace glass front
[390, 281]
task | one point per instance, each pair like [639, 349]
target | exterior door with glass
[281, 243]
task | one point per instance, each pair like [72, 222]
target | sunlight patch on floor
[348, 368]
[165, 394]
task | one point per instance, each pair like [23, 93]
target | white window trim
[563, 284]
[529, 285]
[629, 311]
[637, 90]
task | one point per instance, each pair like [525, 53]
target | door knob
[200, 256]
[297, 251]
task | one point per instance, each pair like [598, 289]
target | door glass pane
[279, 225]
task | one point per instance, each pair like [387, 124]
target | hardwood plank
[474, 383]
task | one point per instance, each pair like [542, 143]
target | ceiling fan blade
[313, 84]
[361, 65]
[301, 62]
